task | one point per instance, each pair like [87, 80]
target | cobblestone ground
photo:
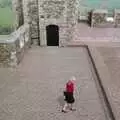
[83, 32]
[33, 91]
[111, 57]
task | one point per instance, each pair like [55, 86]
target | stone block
[4, 54]
[117, 17]
[99, 17]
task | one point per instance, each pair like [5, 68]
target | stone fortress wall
[32, 18]
[101, 18]
[41, 13]
[12, 48]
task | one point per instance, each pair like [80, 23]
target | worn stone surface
[95, 35]
[27, 93]
[112, 61]
[107, 60]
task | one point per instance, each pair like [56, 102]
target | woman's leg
[65, 107]
[71, 107]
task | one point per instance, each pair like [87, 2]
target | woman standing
[69, 95]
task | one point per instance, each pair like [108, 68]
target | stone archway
[52, 35]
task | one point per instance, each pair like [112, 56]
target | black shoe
[64, 111]
[72, 109]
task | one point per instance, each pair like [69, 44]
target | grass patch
[6, 17]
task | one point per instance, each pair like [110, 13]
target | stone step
[93, 43]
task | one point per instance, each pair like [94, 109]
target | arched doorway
[52, 35]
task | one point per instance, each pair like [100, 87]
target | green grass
[6, 17]
[6, 13]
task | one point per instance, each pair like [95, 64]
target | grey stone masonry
[53, 12]
[18, 9]
[27, 93]
[117, 17]
[12, 49]
[41, 13]
[62, 15]
[99, 17]
[34, 20]
[71, 18]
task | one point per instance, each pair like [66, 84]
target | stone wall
[40, 13]
[117, 17]
[4, 54]
[101, 18]
[34, 18]
[26, 10]
[18, 10]
[52, 12]
[70, 17]
[57, 12]
[12, 49]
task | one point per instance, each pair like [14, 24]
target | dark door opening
[52, 35]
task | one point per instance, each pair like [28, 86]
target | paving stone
[107, 59]
[34, 90]
[111, 57]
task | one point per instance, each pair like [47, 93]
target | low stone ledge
[100, 18]
[5, 54]
[117, 17]
[13, 47]
[105, 79]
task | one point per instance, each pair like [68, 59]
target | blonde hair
[73, 78]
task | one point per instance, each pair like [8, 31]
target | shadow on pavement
[61, 100]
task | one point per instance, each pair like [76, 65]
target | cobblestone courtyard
[33, 91]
